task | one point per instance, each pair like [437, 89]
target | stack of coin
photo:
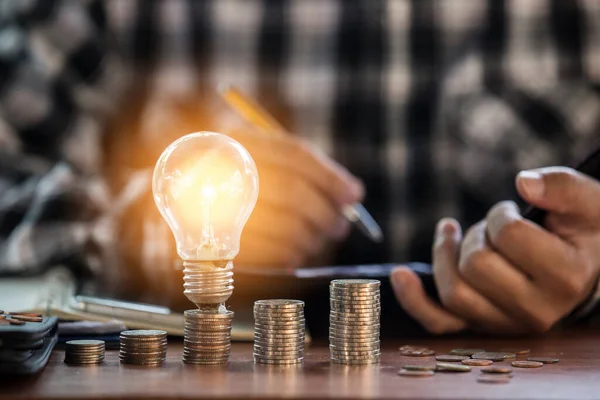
[207, 337]
[278, 332]
[354, 321]
[84, 352]
[143, 347]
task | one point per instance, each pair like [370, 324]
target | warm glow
[206, 185]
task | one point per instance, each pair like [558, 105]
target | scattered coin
[418, 353]
[543, 360]
[143, 347]
[416, 373]
[493, 379]
[497, 370]
[354, 328]
[488, 355]
[450, 357]
[206, 337]
[527, 364]
[416, 367]
[466, 352]
[477, 363]
[518, 352]
[445, 367]
[84, 352]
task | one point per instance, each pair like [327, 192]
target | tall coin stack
[84, 352]
[354, 321]
[278, 332]
[143, 347]
[207, 337]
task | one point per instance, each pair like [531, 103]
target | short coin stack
[354, 321]
[143, 347]
[84, 352]
[207, 337]
[279, 331]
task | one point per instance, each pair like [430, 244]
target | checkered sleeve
[56, 76]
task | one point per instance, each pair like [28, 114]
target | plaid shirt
[434, 104]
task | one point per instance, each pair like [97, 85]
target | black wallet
[25, 349]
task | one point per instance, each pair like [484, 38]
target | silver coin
[144, 333]
[355, 362]
[277, 362]
[278, 304]
[203, 314]
[355, 282]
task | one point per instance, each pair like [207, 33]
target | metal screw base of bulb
[208, 284]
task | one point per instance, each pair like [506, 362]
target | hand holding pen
[257, 116]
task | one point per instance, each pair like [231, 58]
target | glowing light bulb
[205, 186]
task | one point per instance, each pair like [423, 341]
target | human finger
[536, 252]
[411, 296]
[456, 295]
[562, 190]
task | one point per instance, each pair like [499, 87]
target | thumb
[561, 190]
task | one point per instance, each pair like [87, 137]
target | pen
[260, 118]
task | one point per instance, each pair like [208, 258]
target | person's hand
[508, 275]
[298, 211]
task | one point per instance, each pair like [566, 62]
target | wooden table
[576, 376]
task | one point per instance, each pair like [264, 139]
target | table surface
[576, 376]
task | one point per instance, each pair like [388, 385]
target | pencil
[255, 114]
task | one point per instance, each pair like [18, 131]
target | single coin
[488, 355]
[419, 367]
[279, 304]
[143, 333]
[16, 322]
[418, 353]
[26, 314]
[198, 314]
[497, 370]
[476, 363]
[543, 360]
[355, 282]
[351, 298]
[446, 367]
[26, 318]
[527, 364]
[493, 379]
[85, 343]
[465, 352]
[416, 374]
[518, 352]
[410, 347]
[450, 358]
[508, 355]
[354, 362]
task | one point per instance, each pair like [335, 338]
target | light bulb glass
[205, 185]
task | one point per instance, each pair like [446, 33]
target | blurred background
[433, 106]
